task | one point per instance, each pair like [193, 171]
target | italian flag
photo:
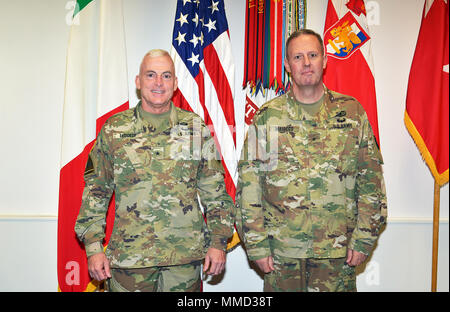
[96, 87]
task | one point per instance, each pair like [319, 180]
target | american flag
[201, 50]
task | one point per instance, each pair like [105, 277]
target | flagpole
[437, 191]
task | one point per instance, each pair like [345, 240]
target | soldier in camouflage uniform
[158, 160]
[310, 197]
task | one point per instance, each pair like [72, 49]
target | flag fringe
[233, 242]
[440, 178]
[91, 287]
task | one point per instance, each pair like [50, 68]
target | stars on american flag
[194, 59]
[211, 25]
[196, 19]
[182, 19]
[196, 39]
[180, 38]
[197, 24]
[214, 7]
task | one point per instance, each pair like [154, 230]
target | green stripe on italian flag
[81, 4]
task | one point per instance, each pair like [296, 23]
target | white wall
[34, 37]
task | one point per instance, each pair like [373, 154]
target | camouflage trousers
[310, 275]
[177, 278]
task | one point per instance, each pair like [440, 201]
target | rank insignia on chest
[158, 152]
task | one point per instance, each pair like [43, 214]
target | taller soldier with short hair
[158, 160]
[310, 192]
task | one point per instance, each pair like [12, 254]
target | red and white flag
[427, 101]
[350, 67]
[96, 87]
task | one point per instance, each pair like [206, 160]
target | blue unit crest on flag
[345, 37]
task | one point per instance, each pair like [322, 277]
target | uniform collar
[296, 113]
[142, 123]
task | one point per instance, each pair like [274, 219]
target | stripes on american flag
[201, 50]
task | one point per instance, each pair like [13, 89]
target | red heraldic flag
[204, 66]
[348, 47]
[96, 87]
[427, 102]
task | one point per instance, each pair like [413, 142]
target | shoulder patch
[89, 166]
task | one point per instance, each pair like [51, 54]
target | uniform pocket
[285, 187]
[132, 158]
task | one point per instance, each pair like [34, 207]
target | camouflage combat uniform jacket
[310, 187]
[156, 177]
